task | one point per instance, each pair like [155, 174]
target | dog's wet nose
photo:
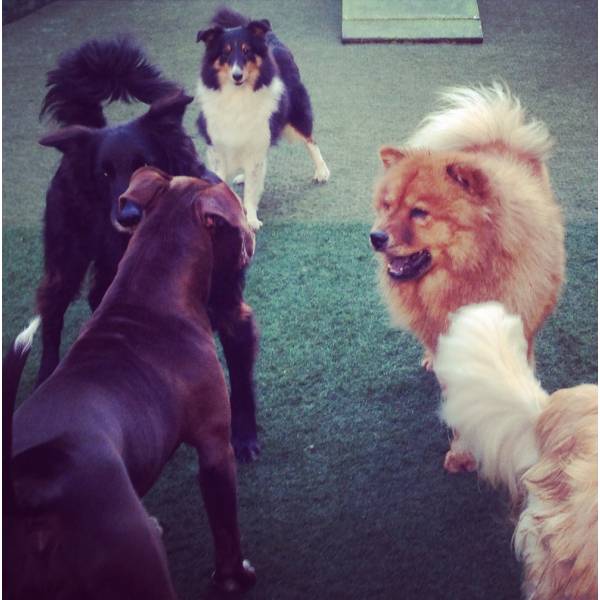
[130, 213]
[379, 239]
[237, 75]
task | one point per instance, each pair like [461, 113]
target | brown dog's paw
[233, 583]
[459, 461]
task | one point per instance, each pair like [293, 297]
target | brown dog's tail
[12, 368]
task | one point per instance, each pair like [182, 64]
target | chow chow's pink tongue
[411, 266]
[398, 266]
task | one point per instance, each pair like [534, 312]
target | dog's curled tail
[101, 71]
[228, 18]
[491, 396]
[12, 368]
[483, 116]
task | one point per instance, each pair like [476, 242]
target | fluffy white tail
[482, 116]
[492, 398]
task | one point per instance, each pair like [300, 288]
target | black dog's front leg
[239, 338]
[105, 265]
[57, 290]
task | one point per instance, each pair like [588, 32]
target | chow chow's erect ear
[469, 178]
[390, 156]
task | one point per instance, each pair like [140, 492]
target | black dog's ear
[259, 28]
[208, 36]
[67, 138]
[168, 110]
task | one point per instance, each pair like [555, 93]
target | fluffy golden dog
[465, 213]
[543, 448]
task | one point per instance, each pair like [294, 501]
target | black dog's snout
[379, 239]
[237, 76]
[130, 213]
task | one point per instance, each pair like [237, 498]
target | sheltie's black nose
[237, 75]
[379, 239]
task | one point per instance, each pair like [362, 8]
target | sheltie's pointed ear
[259, 28]
[208, 36]
[390, 156]
[469, 178]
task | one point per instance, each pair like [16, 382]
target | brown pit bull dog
[142, 378]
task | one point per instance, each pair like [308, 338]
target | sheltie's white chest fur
[237, 118]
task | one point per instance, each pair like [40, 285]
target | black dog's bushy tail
[227, 18]
[101, 71]
[12, 368]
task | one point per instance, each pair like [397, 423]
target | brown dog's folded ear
[145, 184]
[67, 138]
[390, 156]
[468, 177]
[219, 200]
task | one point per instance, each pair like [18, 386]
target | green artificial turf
[348, 499]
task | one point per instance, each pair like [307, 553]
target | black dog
[81, 205]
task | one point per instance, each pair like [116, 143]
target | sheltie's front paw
[254, 222]
[322, 174]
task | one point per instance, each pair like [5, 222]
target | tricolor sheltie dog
[250, 94]
[542, 447]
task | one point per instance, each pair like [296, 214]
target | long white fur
[24, 340]
[492, 397]
[237, 121]
[482, 115]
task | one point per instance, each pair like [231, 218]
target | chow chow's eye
[107, 171]
[386, 205]
[418, 214]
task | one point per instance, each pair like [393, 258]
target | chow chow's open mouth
[410, 266]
